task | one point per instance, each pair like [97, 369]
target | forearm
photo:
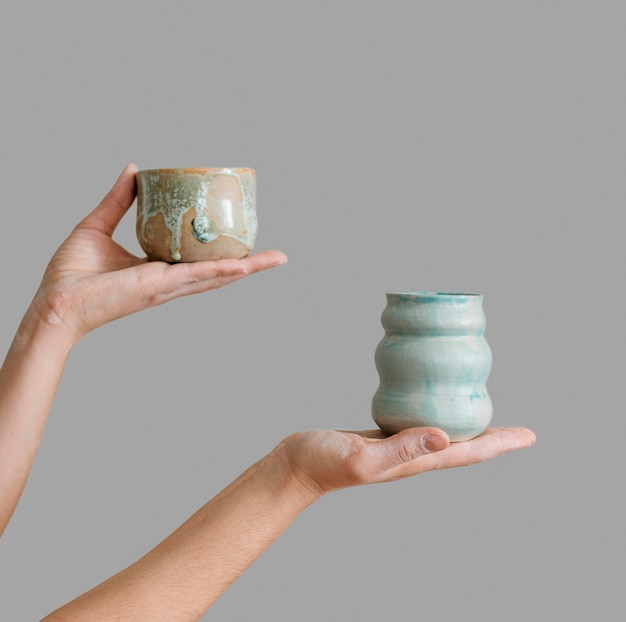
[187, 572]
[29, 378]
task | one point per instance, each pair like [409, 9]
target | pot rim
[197, 170]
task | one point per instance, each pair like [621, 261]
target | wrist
[44, 322]
[301, 485]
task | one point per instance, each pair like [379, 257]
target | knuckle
[407, 452]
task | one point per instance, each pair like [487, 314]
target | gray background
[474, 146]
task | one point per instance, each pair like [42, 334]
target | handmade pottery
[433, 363]
[193, 214]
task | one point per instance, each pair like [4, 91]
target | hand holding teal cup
[433, 363]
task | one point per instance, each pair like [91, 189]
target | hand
[92, 280]
[320, 461]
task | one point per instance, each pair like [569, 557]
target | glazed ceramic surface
[193, 214]
[433, 363]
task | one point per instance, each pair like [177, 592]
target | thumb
[408, 445]
[115, 204]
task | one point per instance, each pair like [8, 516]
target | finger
[202, 276]
[115, 204]
[491, 443]
[262, 261]
[160, 282]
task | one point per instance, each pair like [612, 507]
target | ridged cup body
[433, 363]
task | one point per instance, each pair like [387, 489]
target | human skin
[90, 281]
[187, 572]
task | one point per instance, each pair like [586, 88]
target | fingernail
[434, 442]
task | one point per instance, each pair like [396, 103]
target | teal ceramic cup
[433, 363]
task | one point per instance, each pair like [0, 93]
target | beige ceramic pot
[195, 214]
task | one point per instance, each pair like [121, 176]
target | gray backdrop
[399, 146]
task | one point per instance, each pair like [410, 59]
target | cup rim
[434, 295]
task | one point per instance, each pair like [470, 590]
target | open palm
[320, 461]
[92, 280]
